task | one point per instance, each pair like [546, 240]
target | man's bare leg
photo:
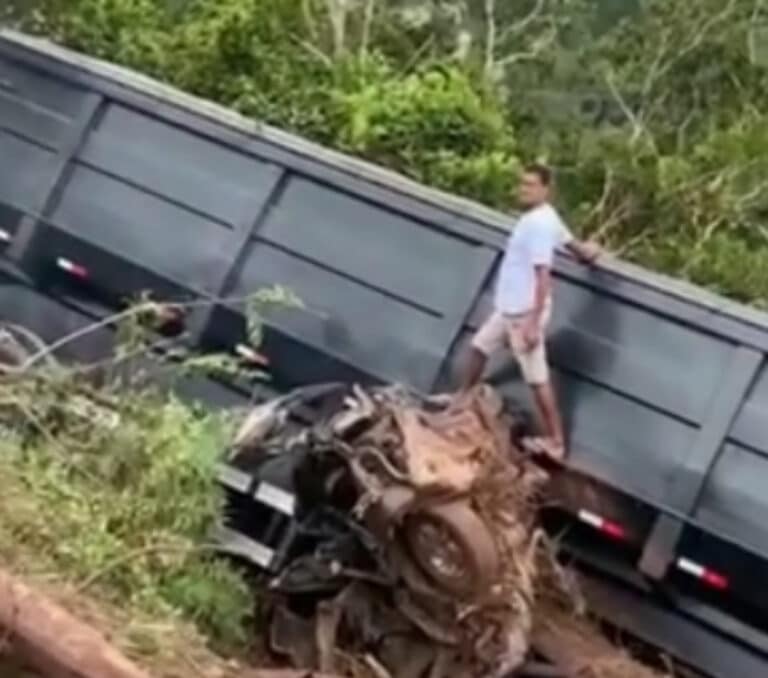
[473, 368]
[549, 414]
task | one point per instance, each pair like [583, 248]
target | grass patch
[106, 497]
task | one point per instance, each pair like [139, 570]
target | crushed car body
[391, 532]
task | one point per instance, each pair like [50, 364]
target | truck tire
[453, 547]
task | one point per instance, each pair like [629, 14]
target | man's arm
[585, 251]
[541, 242]
[543, 287]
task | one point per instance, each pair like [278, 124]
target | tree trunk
[53, 641]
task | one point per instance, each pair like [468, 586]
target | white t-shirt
[533, 241]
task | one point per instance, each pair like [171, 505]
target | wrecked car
[389, 530]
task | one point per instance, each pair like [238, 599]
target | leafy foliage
[118, 504]
[653, 110]
[433, 125]
[263, 302]
[109, 484]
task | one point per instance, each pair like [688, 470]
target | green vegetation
[118, 496]
[108, 493]
[654, 110]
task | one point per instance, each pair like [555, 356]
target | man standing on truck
[523, 303]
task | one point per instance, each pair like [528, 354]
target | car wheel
[454, 547]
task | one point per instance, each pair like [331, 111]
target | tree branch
[654, 70]
[695, 255]
[521, 25]
[337, 15]
[151, 549]
[638, 128]
[599, 206]
[753, 23]
[365, 38]
[544, 43]
[132, 312]
[315, 51]
[490, 39]
[309, 19]
[699, 36]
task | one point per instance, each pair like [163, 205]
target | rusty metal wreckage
[413, 541]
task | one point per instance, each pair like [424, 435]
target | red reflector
[709, 577]
[607, 527]
[715, 580]
[613, 530]
[72, 268]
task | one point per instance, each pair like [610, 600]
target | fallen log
[52, 641]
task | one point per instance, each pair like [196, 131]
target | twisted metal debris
[447, 505]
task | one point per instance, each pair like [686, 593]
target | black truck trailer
[112, 184]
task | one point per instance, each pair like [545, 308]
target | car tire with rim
[454, 547]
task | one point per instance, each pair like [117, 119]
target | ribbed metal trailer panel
[147, 188]
[53, 319]
[664, 386]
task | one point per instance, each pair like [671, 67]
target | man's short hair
[543, 172]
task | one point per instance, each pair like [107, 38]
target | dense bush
[109, 488]
[115, 492]
[654, 110]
